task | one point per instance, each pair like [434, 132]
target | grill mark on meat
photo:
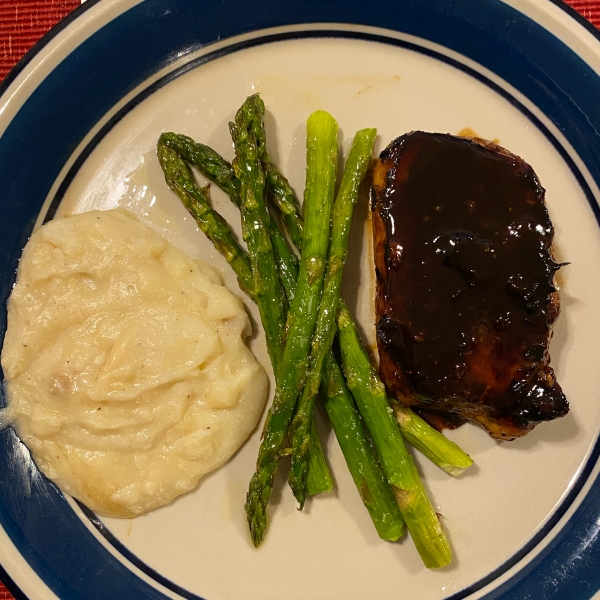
[465, 283]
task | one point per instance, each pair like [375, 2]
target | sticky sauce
[466, 294]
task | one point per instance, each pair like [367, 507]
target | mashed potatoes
[126, 370]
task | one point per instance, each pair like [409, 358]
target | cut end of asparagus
[453, 469]
[319, 477]
[430, 442]
[391, 533]
[425, 528]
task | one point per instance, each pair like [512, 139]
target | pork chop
[466, 296]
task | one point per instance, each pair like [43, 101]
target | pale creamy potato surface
[125, 365]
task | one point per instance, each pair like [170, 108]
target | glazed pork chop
[466, 297]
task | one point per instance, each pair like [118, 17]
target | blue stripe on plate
[132, 558]
[112, 62]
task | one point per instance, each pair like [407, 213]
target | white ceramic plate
[95, 98]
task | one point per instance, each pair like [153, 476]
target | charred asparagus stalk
[320, 181]
[343, 208]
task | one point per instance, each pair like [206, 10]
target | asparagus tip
[256, 507]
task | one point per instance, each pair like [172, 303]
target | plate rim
[47, 40]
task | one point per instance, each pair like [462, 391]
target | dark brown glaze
[465, 283]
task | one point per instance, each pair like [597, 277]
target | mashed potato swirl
[125, 365]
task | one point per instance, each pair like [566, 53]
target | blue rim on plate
[94, 77]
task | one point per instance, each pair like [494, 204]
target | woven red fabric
[24, 22]
[590, 9]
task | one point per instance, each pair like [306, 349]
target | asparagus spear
[321, 158]
[181, 180]
[210, 163]
[441, 451]
[196, 200]
[280, 191]
[371, 399]
[255, 225]
[438, 448]
[362, 462]
[343, 208]
[319, 477]
[218, 170]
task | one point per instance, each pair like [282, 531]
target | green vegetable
[437, 448]
[218, 170]
[181, 180]
[418, 432]
[398, 466]
[362, 462]
[346, 422]
[321, 159]
[343, 208]
[210, 163]
[255, 227]
[319, 478]
[196, 200]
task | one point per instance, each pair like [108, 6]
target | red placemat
[590, 9]
[24, 22]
